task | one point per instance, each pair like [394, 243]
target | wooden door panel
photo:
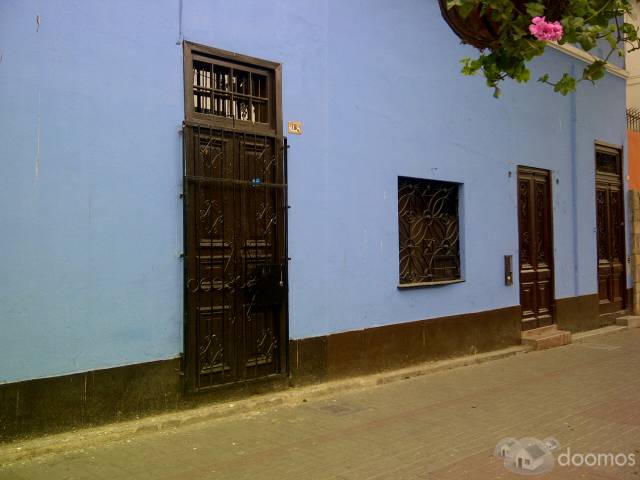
[545, 296]
[545, 303]
[215, 351]
[603, 284]
[618, 282]
[536, 247]
[528, 299]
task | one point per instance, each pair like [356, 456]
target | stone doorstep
[546, 337]
[539, 332]
[629, 321]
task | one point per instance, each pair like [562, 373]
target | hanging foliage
[510, 33]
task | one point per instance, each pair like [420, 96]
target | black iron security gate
[235, 218]
[236, 264]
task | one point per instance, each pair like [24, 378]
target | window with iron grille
[429, 229]
[230, 90]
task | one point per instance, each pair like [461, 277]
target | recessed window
[228, 93]
[428, 219]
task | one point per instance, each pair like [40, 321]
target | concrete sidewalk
[441, 426]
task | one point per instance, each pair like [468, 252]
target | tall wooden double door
[535, 225]
[610, 230]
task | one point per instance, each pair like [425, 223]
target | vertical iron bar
[186, 258]
[244, 207]
[284, 334]
[234, 258]
[222, 293]
[196, 248]
[211, 225]
[211, 92]
[271, 197]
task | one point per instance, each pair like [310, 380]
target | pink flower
[543, 30]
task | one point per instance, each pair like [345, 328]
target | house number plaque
[294, 128]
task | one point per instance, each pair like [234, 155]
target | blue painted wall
[90, 106]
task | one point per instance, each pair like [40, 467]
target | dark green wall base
[578, 314]
[393, 346]
[85, 399]
[62, 403]
[57, 404]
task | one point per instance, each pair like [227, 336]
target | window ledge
[428, 284]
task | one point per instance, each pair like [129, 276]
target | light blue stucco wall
[91, 223]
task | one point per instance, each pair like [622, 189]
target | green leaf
[613, 42]
[595, 71]
[565, 85]
[587, 43]
[535, 9]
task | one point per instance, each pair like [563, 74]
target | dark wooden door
[610, 228]
[536, 247]
[235, 255]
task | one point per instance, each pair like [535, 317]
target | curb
[582, 336]
[89, 437]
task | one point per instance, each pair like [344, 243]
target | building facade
[161, 239]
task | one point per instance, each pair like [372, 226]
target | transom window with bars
[227, 92]
[230, 92]
[608, 161]
[429, 246]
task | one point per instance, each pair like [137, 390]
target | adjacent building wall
[633, 157]
[634, 196]
[91, 107]
[632, 61]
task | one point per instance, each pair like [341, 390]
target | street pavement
[445, 425]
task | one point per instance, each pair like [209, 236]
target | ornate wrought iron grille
[236, 275]
[429, 231]
[633, 119]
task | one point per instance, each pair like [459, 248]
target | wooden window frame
[614, 150]
[273, 71]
